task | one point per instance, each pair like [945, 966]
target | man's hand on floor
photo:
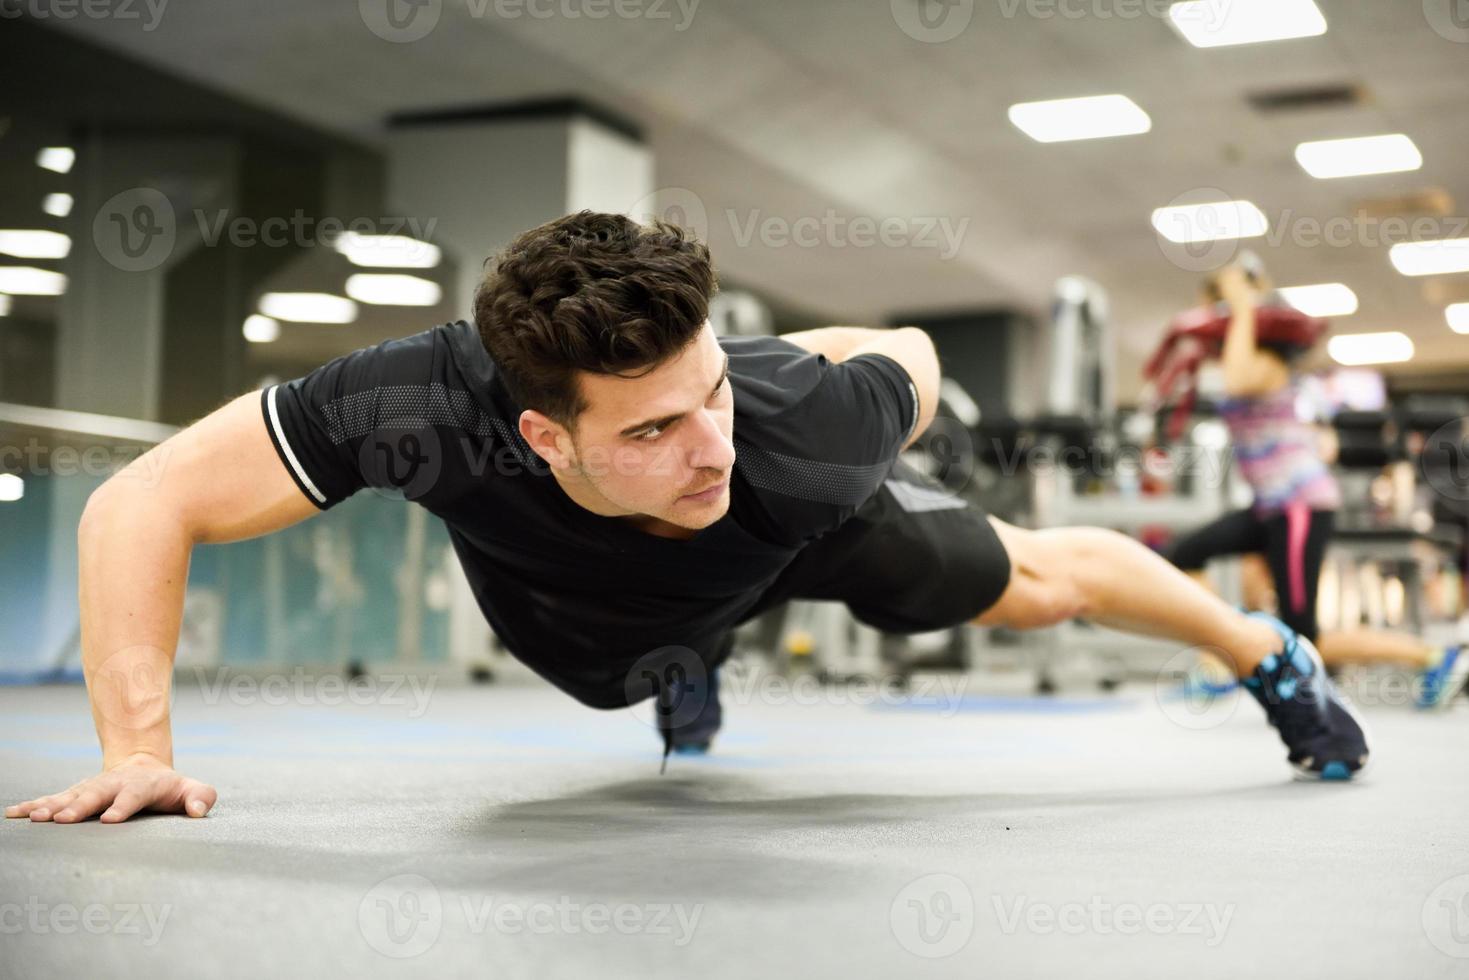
[135, 784]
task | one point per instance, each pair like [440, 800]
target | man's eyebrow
[669, 419]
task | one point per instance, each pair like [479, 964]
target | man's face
[646, 444]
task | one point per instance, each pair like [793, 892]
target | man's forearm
[837, 343]
[133, 568]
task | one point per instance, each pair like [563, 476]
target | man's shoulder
[769, 376]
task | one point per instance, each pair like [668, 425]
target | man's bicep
[220, 477]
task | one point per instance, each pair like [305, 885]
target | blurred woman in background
[1290, 523]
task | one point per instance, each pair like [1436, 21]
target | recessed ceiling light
[1326, 299]
[1212, 24]
[308, 307]
[58, 159]
[1439, 258]
[393, 290]
[27, 281]
[34, 244]
[1093, 117]
[57, 205]
[1217, 221]
[12, 487]
[1353, 349]
[261, 329]
[1328, 159]
[387, 251]
[1458, 315]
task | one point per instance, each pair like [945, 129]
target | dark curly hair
[590, 292]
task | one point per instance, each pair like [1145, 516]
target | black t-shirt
[578, 597]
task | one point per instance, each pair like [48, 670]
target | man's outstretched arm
[219, 480]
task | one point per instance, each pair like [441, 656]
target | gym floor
[506, 831]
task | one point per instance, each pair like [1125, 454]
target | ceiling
[792, 110]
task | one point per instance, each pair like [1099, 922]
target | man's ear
[547, 438]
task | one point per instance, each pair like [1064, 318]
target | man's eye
[649, 435]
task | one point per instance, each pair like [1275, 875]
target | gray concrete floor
[507, 832]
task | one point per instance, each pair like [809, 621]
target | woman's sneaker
[1443, 682]
[1325, 737]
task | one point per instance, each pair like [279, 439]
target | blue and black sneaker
[1444, 681]
[1325, 737]
[694, 735]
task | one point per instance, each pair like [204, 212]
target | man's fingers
[45, 806]
[199, 798]
[86, 803]
[128, 802]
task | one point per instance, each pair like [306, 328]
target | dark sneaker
[1325, 737]
[695, 735]
[1442, 682]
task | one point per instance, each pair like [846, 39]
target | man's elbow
[927, 377]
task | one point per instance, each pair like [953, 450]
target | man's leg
[1112, 580]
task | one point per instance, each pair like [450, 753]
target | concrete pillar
[478, 178]
[482, 176]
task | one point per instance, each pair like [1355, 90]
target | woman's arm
[1249, 372]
